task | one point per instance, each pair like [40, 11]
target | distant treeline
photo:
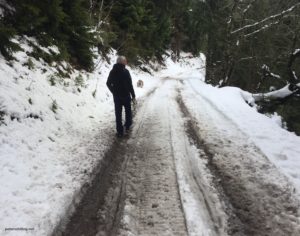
[251, 43]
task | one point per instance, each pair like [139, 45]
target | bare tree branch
[273, 17]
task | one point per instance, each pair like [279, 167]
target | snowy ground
[47, 139]
[279, 145]
[259, 193]
[161, 175]
[209, 152]
[52, 138]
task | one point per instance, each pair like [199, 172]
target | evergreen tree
[142, 28]
[7, 31]
[135, 26]
[78, 33]
[179, 22]
[64, 23]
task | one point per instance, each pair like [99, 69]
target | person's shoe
[119, 135]
[127, 128]
[127, 131]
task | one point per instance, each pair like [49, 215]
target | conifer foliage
[141, 29]
[64, 23]
[239, 38]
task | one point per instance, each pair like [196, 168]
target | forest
[250, 44]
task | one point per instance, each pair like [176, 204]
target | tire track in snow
[203, 205]
[161, 191]
[153, 205]
[101, 207]
[142, 193]
[262, 197]
[233, 224]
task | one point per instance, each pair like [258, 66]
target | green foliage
[30, 64]
[52, 80]
[288, 109]
[79, 81]
[7, 31]
[77, 27]
[144, 29]
[62, 73]
[64, 23]
[141, 29]
[39, 53]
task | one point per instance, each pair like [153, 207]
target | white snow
[275, 76]
[279, 145]
[185, 67]
[277, 119]
[2, 3]
[192, 172]
[296, 51]
[46, 160]
[160, 133]
[281, 93]
[272, 17]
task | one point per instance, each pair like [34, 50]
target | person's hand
[134, 101]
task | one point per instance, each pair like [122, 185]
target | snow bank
[279, 145]
[53, 133]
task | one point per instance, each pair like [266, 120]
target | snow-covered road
[188, 170]
[261, 197]
[199, 161]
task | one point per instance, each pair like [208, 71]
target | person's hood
[119, 66]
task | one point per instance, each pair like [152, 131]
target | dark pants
[121, 102]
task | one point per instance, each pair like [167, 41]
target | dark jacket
[119, 82]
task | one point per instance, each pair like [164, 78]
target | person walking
[119, 83]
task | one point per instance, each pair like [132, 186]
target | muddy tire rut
[257, 206]
[99, 209]
[136, 190]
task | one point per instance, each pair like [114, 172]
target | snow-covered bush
[52, 80]
[79, 81]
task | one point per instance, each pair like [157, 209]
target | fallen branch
[282, 93]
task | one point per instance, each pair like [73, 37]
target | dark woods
[141, 29]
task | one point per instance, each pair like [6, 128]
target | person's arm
[109, 82]
[131, 90]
